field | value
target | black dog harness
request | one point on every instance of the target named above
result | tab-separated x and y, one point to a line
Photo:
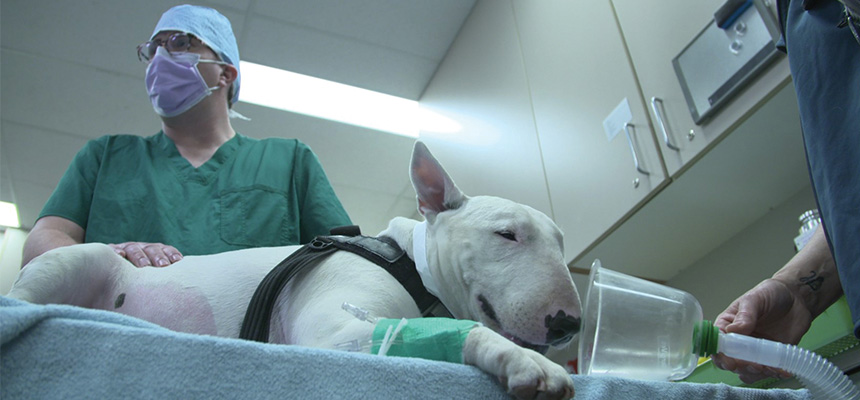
382	251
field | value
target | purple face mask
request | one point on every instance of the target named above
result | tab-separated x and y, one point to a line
173	82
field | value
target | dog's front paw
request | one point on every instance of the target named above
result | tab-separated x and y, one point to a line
530	375
525	373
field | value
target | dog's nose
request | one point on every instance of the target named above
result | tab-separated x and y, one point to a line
561	327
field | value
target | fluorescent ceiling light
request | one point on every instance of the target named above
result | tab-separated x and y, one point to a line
289	91
9	215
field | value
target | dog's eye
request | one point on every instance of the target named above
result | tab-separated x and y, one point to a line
507	235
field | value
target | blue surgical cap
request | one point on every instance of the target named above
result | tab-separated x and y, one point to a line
209	26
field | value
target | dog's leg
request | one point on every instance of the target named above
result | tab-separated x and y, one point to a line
75	275
526	373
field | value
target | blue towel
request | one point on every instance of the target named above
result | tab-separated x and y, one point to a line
65	352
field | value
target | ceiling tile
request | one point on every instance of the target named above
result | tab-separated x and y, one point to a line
72	98
103	33
225	5
36	155
423	28
337	58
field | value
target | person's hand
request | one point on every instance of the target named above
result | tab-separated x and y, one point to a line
771	311
147	254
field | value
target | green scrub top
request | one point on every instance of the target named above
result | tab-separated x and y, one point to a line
251	193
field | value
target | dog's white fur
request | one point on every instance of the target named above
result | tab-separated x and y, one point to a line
495	261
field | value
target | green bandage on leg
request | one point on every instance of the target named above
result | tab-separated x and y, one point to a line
439	339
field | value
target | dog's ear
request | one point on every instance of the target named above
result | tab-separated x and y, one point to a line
436	190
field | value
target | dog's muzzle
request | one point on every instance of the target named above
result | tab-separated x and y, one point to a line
561	328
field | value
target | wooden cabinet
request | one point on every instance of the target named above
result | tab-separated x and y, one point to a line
578	72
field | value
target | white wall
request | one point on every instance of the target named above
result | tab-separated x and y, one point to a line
746	259
482	85
11	249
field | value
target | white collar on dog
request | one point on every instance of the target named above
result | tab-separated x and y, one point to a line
419	251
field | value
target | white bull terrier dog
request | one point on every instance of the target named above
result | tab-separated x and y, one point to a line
491	260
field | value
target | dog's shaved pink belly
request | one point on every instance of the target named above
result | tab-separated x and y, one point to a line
168	304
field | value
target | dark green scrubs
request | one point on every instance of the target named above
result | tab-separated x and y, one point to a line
251	193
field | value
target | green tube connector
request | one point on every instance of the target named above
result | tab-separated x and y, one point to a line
705	338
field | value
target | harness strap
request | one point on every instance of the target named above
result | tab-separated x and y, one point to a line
255	326
385	252
382	251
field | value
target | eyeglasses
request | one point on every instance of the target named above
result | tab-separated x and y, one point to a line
177	42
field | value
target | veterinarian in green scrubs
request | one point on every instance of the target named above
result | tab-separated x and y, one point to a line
197	186
250	193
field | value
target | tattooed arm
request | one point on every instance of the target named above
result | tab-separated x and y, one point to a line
782	308
812	274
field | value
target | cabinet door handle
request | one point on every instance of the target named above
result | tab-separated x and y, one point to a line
627	127
659	114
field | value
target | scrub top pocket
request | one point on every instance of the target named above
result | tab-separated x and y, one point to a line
256	216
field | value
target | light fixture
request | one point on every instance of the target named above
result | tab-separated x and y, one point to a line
289	91
9	215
